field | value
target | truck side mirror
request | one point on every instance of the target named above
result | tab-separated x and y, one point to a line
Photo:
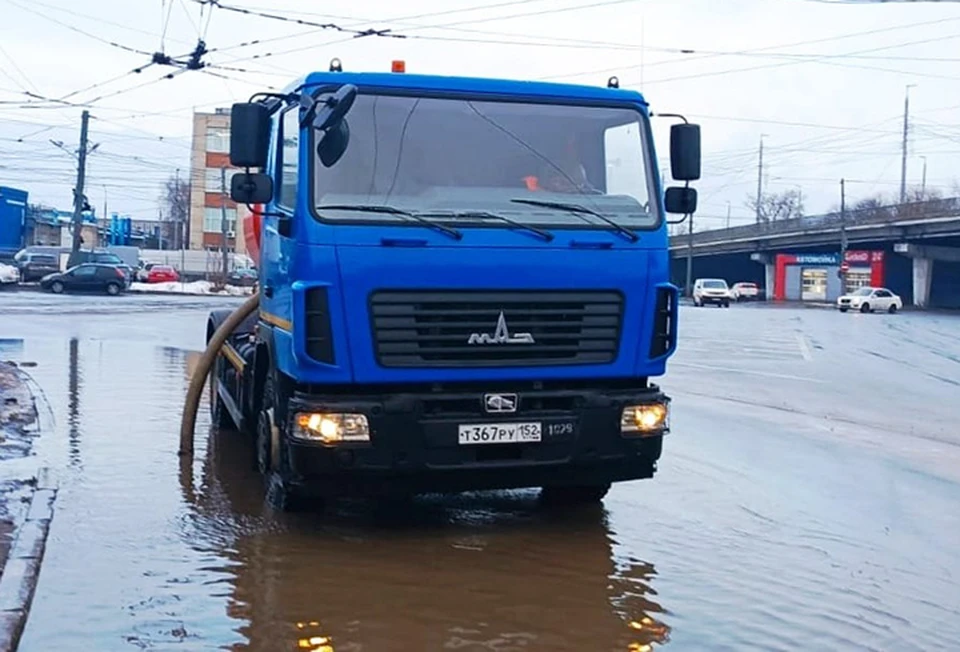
685	152
681	200
251	188
249	135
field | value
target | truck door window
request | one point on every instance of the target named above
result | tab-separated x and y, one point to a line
289	157
625	165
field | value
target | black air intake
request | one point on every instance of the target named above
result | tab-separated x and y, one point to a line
319	341
664	322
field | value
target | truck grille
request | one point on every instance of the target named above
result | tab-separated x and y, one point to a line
477	329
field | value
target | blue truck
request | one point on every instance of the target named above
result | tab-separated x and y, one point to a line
464	286
13	208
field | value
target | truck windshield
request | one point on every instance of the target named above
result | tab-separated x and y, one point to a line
436	156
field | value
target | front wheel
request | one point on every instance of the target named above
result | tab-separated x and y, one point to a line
56	287
271	449
844	309
574	495
865	307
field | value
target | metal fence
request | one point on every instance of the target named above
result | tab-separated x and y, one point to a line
876	214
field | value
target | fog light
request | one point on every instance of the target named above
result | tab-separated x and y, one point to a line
331	427
645	419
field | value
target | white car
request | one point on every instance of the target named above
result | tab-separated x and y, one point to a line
745	292
711	290
869	299
9	275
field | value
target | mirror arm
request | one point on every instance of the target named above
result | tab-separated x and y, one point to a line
669	115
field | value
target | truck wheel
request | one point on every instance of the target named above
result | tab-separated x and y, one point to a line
574	495
271	450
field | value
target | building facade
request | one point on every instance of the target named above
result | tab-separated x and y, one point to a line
822	277
209	158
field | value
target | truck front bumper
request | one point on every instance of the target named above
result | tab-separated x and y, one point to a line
415	440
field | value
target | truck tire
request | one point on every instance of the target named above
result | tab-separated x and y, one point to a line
270	458
574	495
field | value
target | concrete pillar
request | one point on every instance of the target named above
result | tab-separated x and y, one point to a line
769	271
922	275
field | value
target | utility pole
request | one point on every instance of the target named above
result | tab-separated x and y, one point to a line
223	219
923	184
78	191
760	180
906	133
843	220
728	215
689	287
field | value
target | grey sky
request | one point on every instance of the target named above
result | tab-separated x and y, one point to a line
823	81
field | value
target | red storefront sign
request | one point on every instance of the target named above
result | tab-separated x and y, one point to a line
867	259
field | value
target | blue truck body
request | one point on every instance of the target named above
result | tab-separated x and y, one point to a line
13	207
382	317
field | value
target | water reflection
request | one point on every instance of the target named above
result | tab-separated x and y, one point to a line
487	573
73	403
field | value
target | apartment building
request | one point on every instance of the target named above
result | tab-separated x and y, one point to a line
210	156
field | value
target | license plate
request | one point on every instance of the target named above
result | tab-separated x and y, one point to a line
499	433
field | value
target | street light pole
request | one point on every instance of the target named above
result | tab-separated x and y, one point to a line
923	184
843	220
78	191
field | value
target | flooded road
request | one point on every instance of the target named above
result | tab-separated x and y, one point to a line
808	497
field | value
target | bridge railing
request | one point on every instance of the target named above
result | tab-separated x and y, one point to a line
871	214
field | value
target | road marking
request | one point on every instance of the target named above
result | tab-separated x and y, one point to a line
804	349
751	372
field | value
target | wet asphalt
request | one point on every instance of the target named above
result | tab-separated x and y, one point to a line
808	498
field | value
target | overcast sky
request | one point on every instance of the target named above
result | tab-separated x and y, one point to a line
822	80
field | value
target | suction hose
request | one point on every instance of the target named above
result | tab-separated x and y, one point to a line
204	366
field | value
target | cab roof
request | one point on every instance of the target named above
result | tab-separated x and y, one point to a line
472	85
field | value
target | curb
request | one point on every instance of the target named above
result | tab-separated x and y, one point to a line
19	580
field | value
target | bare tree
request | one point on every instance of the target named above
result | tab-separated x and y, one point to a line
778	206
176	199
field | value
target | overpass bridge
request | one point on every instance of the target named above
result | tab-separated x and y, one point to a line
920	243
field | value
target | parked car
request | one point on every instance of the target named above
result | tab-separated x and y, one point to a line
9	275
34	266
745	291
711	290
87	277
105	258
243	277
162	274
870	299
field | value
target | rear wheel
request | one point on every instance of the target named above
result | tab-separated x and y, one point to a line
113	289
574	495
892	309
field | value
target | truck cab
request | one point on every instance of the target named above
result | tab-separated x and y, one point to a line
464	285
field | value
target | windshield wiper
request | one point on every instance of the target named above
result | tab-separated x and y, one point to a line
580	210
485	215
391	210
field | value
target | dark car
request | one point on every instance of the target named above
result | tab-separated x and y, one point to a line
34	266
104	258
243	277
88	277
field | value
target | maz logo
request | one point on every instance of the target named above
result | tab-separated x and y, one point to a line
500	402
501	335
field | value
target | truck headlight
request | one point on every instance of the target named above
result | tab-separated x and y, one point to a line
645	419
331	427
